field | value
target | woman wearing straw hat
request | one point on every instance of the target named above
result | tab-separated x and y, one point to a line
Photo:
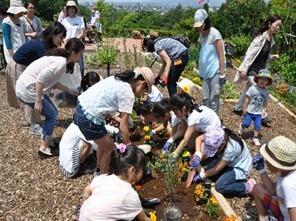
277	198
12	27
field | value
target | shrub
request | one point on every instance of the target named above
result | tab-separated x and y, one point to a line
241	44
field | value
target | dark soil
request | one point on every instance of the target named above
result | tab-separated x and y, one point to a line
34	189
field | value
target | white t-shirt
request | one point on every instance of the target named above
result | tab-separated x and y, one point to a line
106	98
174	119
72	137
74	26
95	16
286	193
46	70
155	95
112	199
204	120
238	158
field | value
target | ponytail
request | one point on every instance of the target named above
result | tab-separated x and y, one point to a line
179	101
125	157
265	25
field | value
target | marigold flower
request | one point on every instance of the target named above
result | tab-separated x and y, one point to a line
231	218
147	138
213	201
199	190
146	128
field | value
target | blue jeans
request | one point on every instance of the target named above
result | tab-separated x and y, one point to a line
50	112
226	183
175	73
252	117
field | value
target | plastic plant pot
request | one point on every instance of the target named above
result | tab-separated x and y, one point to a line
172	213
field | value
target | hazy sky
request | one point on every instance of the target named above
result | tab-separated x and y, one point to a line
213	2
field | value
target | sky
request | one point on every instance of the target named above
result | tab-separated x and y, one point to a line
212	2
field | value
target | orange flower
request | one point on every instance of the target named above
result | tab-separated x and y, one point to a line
231	218
147	138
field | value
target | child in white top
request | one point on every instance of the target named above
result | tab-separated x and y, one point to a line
113	94
256	100
112	197
230	162
276	198
199	119
42	75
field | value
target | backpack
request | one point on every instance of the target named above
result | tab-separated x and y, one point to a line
182	39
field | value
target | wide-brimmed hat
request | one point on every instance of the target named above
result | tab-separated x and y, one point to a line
147	75
199	18
186	85
16	7
72	4
280	152
213	140
264	73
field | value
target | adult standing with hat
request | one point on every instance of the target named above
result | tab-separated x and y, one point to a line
12	27
75	26
257	57
211	60
279	198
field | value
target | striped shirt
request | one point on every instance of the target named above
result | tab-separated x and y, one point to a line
172	47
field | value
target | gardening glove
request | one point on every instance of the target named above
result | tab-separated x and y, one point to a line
198	177
167	146
258	163
195	161
222	80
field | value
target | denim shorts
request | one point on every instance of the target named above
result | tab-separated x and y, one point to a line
90	130
256	118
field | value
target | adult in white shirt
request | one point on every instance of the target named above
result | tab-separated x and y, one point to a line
75	26
113	94
42	75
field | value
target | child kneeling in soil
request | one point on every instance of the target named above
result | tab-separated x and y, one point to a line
74	150
111	196
229	162
199	119
279	198
256	101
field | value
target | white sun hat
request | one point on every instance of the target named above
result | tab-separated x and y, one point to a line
199	18
16	7
280	152
187	86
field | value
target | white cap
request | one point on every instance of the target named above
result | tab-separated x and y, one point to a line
16	7
199	17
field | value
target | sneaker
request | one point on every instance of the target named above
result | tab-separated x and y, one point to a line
36	129
238	112
241	130
266	121
256	141
45	153
250	184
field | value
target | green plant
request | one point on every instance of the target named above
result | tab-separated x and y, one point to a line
107	56
229	91
213	207
168	167
241	44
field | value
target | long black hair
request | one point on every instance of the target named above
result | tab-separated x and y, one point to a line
89	79
54	29
129	77
72	45
148	43
121	162
230	134
265	25
160	108
178	101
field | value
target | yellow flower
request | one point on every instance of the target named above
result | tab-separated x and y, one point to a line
147	138
146	128
199	190
186	89
152	216
213	201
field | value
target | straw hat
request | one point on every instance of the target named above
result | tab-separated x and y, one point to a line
199	18
16	7
280	152
187	86
264	73
147	75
